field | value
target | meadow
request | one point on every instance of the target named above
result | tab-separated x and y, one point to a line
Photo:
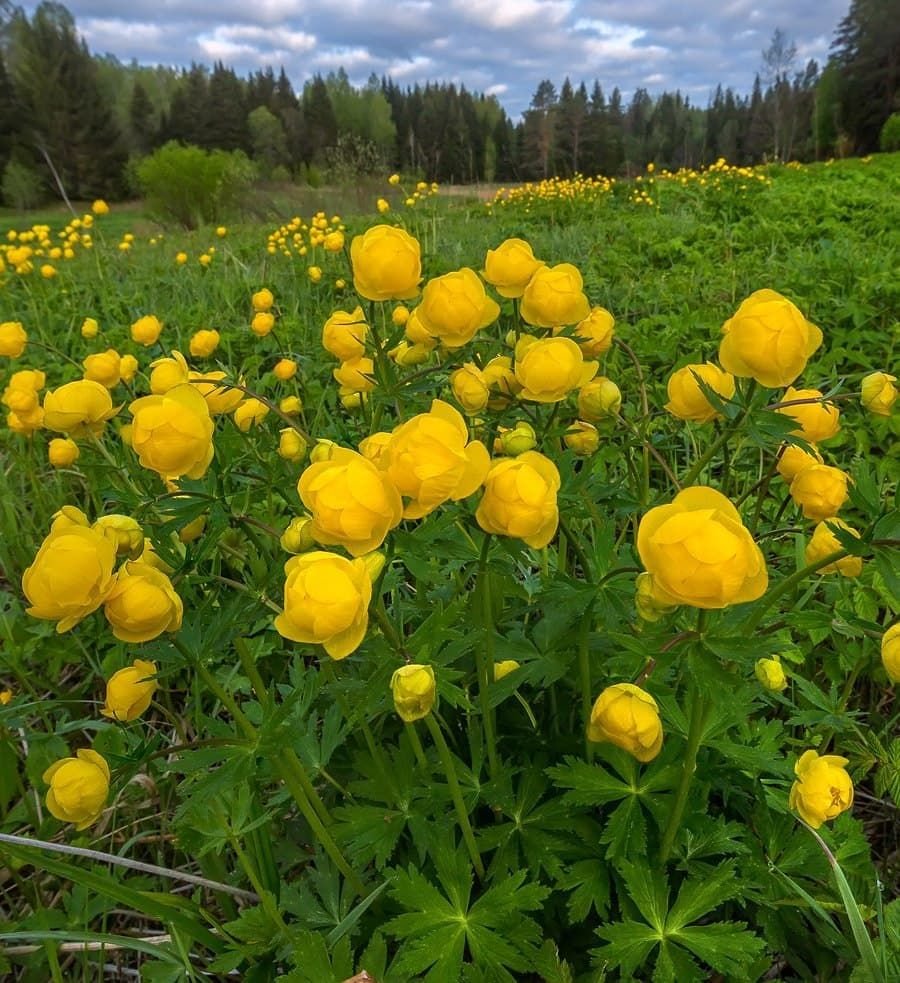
481	586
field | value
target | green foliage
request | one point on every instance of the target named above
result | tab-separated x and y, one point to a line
889	139
21	187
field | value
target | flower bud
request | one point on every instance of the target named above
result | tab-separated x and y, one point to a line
504	668
770	674
262	300
879	393
582	438
820	491
890	652
125	531
518	440
599	399
323	451
193	530
414	689
297	538
262	324
794	459
824	542
627	716
649	606
89	328
62	452
291	405
285	368
129	691
291	445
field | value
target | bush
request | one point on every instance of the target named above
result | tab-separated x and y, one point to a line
889	140
192	186
22	188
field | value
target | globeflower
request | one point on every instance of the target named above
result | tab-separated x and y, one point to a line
386	264
103	367
146	330
823	788
78	408
820	491
793	459
429	459
291	446
172	434
12	339
344	334
595	333
249	413
699	553
124	531
890	652
600	399
550	368
129	691
204	342
326	602
768	339
470	389
167	373
583	439
516	440
220	398
142	604
818	420
824	542
262	300
879	393
510	266
262	324
555	296
285	369
687	400
770	674
413	688
62	452
352	502
627	716
79	788
455	307
356	375
520	499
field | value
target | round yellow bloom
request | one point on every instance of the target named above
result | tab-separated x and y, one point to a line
262	300
129	691
79	788
167	373
172	434
128	367
582	438
181	258
383	206
823	789
768	339
373	447
824	542
291	405
386	263
204	342
125	532
770	674
600	399
12	339
291	446
406	354
595	333
520	499
890	652
352	502
356	375
648	604
89	328
502	382
103	367
220	399
820	491
555	296
333	242
221	231
62	452
516	440
504	668
429	460
399	316
71	575
285	368
344	334
455	307
818	421
262	324
879	393
78	408
146	330
687	400
314	273
549	369
510	266
414	689
794	459
249	413
142	604
326	602
470	388
100	207
627	716
415	331
297	538
699	552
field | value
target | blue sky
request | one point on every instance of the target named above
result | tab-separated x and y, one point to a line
503	47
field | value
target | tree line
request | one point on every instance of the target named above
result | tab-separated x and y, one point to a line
73	120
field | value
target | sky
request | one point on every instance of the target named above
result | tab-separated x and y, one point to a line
501	47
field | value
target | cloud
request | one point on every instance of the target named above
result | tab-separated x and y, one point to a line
504	47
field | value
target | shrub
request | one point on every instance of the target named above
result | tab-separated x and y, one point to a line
889	140
22	188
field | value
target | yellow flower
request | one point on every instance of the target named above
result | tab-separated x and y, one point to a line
62	452
125	532
285	368
455	307
383	206
356	375
516	441
699	552
297	538
649	606
504	668
582	438
326	602
204	342
249	413
220	399
142	604
818	421
823	788
549	369
79	788
399	316
333	242
386	264
502	381
820	491
128	367
599	399
104	367
314	273
129	691
193	530
181	258
221	231
352	502
100	207
890	652
595	333
373	447
627	716
879	393
291	446
687	400
770	674
291	405
262	324
406	354
520	499
262	300
413	688
71	575
167	373
146	330
470	388
510	266
89	328
6	696
78	408
394	179
172	434
12	339
429	460
794	459
554	296
824	542
344	334
415	331
768	339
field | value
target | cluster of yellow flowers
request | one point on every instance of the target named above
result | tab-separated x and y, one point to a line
718	176
575	189
22	251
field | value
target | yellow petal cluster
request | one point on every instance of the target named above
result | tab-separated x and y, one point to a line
627	716
823	789
520	499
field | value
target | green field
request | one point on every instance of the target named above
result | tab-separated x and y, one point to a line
489	840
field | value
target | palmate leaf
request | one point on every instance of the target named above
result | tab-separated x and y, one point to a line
628	946
589	784
726	946
588	880
698	897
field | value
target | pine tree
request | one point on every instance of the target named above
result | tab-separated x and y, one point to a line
141	119
320	125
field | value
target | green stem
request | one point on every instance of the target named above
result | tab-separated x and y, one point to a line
418	750
699	711
576	549
727	431
584	668
485	659
456	793
265	897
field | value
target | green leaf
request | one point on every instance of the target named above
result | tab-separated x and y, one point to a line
588	880
726	946
629	944
161	952
699	897
648	890
589	784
